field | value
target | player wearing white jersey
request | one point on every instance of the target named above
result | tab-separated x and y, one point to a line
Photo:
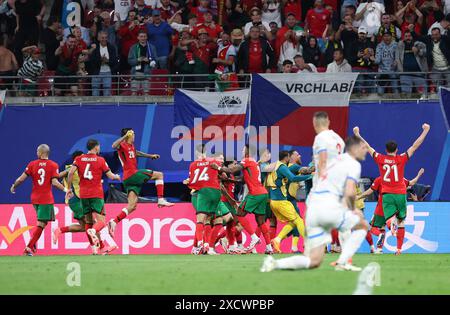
332	205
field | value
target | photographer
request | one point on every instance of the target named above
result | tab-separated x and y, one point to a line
142	59
255	15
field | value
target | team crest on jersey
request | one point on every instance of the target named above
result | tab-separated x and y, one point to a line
230	101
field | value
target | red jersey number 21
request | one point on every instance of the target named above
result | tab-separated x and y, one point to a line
388	169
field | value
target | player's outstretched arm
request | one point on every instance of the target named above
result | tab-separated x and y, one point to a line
18	182
414	181
147	155
284	170
112	176
356	133
365	194
419	141
268	168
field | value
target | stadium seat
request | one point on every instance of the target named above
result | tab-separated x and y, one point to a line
159	85
45	83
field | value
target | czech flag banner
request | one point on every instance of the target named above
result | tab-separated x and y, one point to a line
207	113
289	101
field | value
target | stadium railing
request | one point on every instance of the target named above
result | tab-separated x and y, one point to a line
160	85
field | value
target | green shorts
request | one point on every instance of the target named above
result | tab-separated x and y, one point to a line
223	209
269	213
394	204
378	221
135	182
208	200
45	212
194	198
77	209
230	208
93	205
255	204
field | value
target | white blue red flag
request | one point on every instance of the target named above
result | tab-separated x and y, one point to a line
289	101
198	110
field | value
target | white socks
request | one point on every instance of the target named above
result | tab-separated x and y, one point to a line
351	245
125	210
294	262
254	237
344	236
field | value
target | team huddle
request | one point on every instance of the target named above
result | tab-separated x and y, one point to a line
84	189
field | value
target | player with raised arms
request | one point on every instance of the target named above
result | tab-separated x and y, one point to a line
392	169
91	167
332	205
44	174
134	178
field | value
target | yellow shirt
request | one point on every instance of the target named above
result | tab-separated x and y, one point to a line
359	203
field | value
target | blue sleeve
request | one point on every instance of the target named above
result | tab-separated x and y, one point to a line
284	170
294	168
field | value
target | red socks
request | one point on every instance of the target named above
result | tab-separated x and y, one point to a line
400	237
258	231
335	237
238	235
214	232
231	231
36	235
247	226
265	232
198	233
375	231
87	227
159	184
122	215
207	233
222	233
98	226
273	232
64	229
369	238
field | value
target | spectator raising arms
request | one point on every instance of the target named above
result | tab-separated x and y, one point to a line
30	71
255	15
68	54
369	15
288	40
51	37
128	34
255	54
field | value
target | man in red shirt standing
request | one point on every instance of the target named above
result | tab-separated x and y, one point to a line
91	167
44	174
134	179
255	54
317	20
392	172
214	30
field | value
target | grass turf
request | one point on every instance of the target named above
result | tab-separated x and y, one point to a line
224	274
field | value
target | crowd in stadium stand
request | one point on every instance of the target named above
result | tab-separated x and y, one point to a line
224	38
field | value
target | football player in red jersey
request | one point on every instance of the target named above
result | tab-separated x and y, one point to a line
44	174
392	170
378	222
91	168
134	178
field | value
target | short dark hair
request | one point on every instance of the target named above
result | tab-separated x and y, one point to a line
292	152
76	153
142	32
321	115
124	131
287	62
71	36
92	143
298	56
283	154
391	146
351	142
436	28
341	51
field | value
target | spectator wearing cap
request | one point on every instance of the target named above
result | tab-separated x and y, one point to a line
51	37
236	37
142	9
255	15
255	54
294	7
287	66
214	30
362	60
438	55
201	9
226	55
271	12
160	34
288	40
442	25
339	64
388	26
301	66
30	71
385	58
142	59
103	63
411	60
317	21
369	14
128	34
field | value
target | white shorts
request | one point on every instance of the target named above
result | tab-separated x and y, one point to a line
324	213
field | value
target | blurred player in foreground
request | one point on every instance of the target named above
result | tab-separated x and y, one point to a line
332	205
44	174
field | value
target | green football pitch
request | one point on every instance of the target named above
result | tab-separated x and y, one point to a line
217	275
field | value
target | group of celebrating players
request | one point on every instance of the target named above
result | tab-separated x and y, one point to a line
84	189
333	213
